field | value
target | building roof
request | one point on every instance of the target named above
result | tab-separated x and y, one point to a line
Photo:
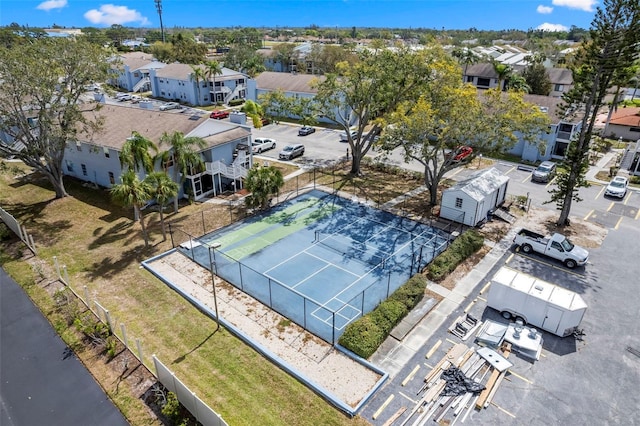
180	71
287	82
120	121
482	70
481	183
629	116
548	104
560	75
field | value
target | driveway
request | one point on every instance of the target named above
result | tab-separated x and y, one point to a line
42	381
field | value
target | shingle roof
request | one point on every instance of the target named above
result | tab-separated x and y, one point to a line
482	70
287	82
120	121
560	75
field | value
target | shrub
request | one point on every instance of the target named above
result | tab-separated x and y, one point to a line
366	334
362	336
635	180
461	248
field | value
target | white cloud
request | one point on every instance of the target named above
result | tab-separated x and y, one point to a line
52	4
552	27
586	5
110	14
545	10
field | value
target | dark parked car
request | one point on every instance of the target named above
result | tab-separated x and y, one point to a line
306	130
219	115
544	172
265	121
291	151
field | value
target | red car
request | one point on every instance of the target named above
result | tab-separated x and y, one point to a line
460	154
219	115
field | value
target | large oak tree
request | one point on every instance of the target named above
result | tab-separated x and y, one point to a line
41	88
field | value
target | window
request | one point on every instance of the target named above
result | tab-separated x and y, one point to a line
634	129
458	203
112	178
84	169
484	82
69	166
558	88
78	146
168	163
469	79
106	152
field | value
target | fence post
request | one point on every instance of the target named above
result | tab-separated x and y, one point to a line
124	335
204	229
66	274
139	351
108	317
86	297
32	243
57	265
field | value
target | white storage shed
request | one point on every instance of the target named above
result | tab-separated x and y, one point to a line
470	200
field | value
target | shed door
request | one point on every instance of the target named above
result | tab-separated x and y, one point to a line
552	320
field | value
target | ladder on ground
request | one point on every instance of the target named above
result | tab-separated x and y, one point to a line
504	215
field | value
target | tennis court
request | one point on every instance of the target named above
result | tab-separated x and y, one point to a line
319	259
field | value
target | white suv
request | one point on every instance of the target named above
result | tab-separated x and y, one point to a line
345	138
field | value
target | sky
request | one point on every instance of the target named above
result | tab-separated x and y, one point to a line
555	15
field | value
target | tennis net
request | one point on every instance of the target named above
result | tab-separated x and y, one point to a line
353	249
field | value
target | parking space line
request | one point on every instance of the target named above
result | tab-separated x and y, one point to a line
451	341
509	258
511	373
510	170
626	200
588	214
549	184
482	298
526	179
502	409
383	406
610	206
599	193
409	398
638	215
618	224
486	286
469	306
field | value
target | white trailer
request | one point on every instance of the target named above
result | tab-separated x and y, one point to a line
539	303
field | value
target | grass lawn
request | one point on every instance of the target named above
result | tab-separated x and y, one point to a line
102	249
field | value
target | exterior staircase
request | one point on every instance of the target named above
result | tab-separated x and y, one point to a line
139	85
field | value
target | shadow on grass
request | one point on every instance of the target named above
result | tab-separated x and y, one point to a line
199	345
108	267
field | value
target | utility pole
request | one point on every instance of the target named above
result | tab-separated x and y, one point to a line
159	8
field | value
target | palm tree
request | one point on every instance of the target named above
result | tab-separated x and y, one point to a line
135	153
197	75
213	68
133	192
503	72
518	83
254	111
184	153
262	182
465	57
163	189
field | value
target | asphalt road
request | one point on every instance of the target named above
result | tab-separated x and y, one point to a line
41	380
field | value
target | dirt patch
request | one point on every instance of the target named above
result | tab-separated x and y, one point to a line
451	280
580	232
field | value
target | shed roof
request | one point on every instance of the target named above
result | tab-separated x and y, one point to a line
629	116
481	184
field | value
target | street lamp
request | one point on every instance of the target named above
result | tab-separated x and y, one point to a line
479	160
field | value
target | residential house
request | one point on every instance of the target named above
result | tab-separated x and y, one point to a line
292	85
554	143
176	82
131	71
561	81
625	124
95	157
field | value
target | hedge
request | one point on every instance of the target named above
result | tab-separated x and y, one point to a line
366	334
461	248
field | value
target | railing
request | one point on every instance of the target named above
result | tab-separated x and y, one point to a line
235	91
235	171
141	83
18	229
564	135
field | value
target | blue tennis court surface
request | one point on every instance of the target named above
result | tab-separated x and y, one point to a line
319	259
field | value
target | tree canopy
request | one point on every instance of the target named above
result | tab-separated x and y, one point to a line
41	100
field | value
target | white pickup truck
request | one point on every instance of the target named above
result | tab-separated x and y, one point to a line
556	246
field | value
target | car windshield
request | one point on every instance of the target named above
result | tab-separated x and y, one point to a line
543	168
617	184
567	245
288	148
